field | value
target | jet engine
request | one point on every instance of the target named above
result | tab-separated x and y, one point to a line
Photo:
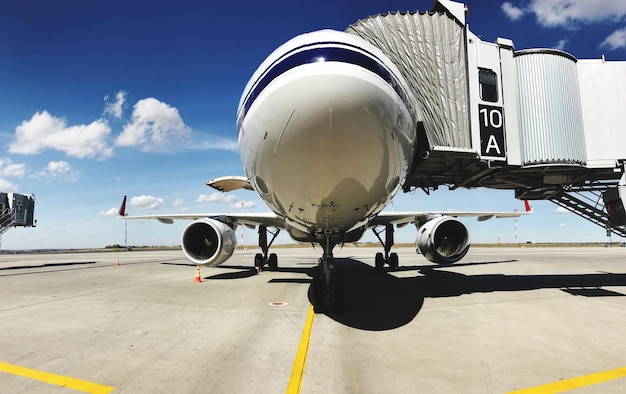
444	240
208	242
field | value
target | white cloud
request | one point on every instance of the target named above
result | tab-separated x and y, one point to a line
219	198
514	13
562	210
616	40
225	144
58	170
224	198
180	204
6	186
58	167
44	131
154	124
7	168
217	143
560	45
115	108
565	12
243	205
144	202
110	212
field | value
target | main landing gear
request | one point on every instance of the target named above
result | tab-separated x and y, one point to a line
327	290
260	259
390	259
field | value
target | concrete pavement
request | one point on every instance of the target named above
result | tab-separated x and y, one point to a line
498	321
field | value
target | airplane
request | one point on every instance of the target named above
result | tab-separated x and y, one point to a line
327	133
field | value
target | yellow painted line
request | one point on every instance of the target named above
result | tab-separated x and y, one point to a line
574	383
297	372
63	381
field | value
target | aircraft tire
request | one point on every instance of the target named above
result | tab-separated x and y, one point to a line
258	261
380	262
394	262
272	262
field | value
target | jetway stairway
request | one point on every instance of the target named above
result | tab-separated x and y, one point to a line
589	203
6	221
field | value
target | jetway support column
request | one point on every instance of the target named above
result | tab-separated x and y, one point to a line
615	203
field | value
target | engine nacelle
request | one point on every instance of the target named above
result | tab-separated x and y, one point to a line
208	242
444	240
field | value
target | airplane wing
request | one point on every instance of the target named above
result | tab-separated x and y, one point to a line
403	218
251	219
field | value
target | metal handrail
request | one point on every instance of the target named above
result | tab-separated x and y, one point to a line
7	220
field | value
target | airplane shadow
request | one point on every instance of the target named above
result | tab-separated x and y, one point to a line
41	268
377	301
233	275
247	271
374	301
180	264
47	265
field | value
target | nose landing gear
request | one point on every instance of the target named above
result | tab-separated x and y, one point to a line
327	289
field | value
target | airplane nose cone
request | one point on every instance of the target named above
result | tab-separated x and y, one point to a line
335	135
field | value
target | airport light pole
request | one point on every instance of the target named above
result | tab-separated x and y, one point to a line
242	226
125	232
516	242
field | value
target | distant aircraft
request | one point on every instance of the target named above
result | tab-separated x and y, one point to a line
326	135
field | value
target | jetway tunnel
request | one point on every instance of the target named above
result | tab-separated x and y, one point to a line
16	210
537	121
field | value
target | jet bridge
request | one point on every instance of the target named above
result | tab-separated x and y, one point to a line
537	121
16	210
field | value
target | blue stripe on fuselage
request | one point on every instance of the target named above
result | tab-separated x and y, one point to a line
299	56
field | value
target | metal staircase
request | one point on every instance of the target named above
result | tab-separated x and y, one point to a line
7	220
587	202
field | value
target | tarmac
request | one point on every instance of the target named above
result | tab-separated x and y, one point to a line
499	321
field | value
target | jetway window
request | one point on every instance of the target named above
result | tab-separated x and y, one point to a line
488	81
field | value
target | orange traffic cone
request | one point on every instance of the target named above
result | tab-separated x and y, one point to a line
117	262
198	278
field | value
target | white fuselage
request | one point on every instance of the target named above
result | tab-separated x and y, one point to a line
326	132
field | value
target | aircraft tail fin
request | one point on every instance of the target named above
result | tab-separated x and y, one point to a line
122	210
529	208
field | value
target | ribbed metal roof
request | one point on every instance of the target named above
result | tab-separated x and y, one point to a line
429	50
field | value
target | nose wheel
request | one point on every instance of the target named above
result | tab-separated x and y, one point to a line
327	289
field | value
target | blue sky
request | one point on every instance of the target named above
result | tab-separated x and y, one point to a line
100	99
